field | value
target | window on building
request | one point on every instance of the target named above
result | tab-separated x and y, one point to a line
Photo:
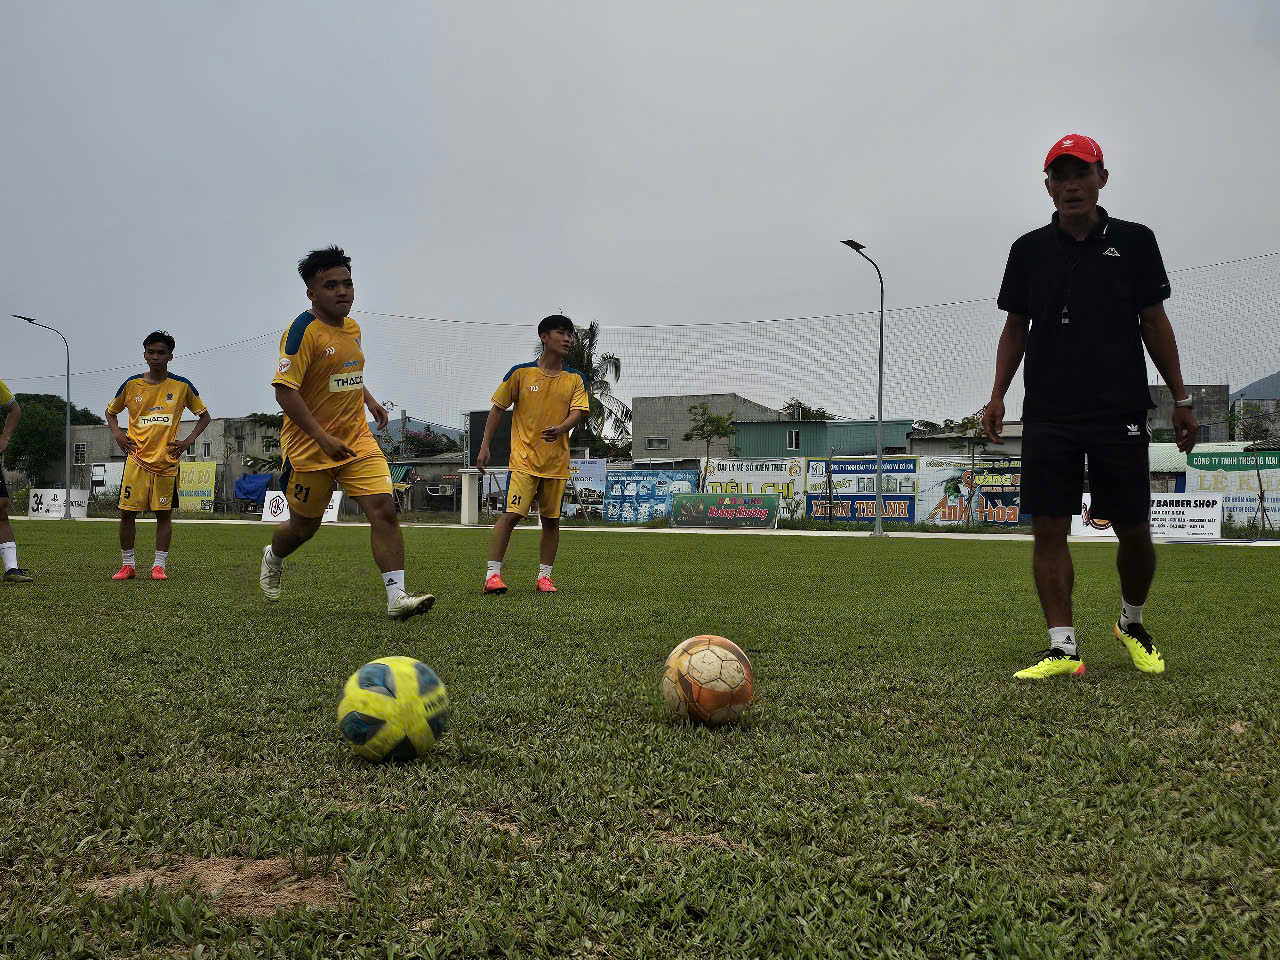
239	444
793	439
81	454
206	449
657	443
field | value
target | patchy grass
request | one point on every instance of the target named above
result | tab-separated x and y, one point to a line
172	782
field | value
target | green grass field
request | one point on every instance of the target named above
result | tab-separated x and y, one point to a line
894	794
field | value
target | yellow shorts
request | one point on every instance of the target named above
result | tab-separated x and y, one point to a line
524	488
142	490
308	492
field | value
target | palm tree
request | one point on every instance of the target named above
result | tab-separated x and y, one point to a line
609	415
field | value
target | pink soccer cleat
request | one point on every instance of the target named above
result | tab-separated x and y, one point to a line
546	586
157	573
495	585
124	573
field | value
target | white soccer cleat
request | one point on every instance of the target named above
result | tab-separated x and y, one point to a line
269	577
406	605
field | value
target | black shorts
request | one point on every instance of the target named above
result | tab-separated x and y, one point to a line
4	488
1053	458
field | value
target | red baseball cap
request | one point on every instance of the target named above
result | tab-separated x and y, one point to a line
1075	145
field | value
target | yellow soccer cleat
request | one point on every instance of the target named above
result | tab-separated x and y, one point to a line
1052	663
1142	650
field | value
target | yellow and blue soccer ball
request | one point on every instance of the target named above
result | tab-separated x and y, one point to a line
395	708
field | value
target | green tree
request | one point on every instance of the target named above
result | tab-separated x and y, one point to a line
272	464
1255	422
709	427
797	409
971	438
39	442
273	420
609	417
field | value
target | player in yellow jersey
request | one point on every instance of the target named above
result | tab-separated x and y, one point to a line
155	401
319	385
8	546
550	400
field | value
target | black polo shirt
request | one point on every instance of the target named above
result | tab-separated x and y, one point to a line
1084	357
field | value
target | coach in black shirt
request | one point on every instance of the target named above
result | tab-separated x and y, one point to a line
1083	294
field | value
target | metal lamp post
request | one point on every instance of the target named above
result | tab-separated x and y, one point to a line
858	248
66	493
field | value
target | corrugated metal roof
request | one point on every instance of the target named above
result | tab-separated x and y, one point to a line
1167	458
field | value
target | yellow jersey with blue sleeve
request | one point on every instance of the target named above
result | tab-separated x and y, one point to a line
155	414
541	400
6	398
325	364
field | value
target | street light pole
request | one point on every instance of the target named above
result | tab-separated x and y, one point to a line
857	248
66	493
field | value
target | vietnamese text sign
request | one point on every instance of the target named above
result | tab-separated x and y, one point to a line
52	503
782	476
584	493
850	486
276	508
637	496
1246	482
195	484
1173	515
758	510
982	490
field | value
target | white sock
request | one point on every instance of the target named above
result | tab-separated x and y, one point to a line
9	550
1064	639
127	557
495	566
544	570
394	582
274	562
1129	613
161	557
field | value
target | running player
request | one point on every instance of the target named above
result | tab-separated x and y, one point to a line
550	400
8	546
155	401
319	385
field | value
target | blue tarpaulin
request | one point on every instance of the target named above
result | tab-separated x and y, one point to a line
253	486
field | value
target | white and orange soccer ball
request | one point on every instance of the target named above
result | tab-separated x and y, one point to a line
708	680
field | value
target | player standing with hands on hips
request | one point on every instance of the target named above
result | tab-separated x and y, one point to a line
1083	295
550	400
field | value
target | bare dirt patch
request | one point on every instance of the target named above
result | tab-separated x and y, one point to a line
247	888
1237	728
496	821
689	841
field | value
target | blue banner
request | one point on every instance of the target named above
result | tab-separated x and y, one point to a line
850	488
638	496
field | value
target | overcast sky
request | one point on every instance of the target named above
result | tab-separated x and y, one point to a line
166	164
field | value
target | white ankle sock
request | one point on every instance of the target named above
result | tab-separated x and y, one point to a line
274	562
9	551
126	556
544	570
161	557
1129	613
1064	639
495	566
394	582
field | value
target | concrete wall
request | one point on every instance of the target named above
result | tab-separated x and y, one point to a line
668	418
1212	406
227	441
940	446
